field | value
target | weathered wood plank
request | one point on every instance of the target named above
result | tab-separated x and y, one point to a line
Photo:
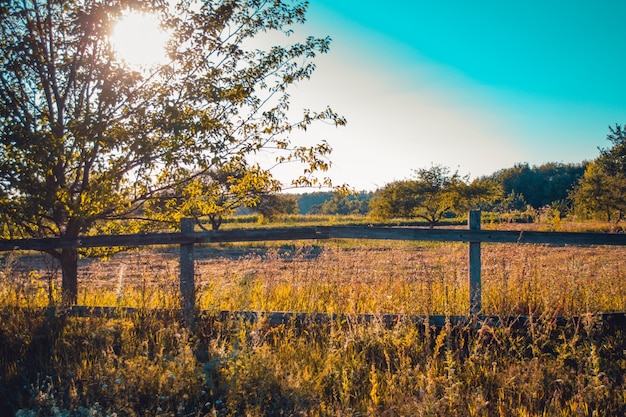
485	236
320	232
275	318
182	238
96	241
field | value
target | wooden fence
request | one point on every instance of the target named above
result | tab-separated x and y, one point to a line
187	238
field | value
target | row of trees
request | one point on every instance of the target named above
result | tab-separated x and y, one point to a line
595	189
540	185
436	192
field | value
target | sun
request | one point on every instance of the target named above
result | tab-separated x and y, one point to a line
139	40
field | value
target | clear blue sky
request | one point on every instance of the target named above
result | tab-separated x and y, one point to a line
475	86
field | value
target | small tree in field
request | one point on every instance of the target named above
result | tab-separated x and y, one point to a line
84	138
430	196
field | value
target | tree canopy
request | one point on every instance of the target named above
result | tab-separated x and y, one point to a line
85	138
434	193
602	189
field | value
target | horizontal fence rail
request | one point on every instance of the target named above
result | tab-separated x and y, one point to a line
187	238
319	232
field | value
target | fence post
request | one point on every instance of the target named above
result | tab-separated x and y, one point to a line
187	285
475	291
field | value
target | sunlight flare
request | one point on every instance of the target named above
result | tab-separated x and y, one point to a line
139	40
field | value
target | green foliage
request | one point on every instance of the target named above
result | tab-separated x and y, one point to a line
601	192
434	194
512	202
540	185
394	200
307	201
272	205
215	194
344	204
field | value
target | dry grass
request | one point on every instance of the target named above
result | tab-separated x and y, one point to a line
407	278
143	365
353	277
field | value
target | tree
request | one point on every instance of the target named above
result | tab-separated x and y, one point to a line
396	199
431	195
272	204
481	192
602	189
84	138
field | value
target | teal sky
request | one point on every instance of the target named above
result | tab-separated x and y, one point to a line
475	86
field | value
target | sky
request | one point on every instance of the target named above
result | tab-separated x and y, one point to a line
475	86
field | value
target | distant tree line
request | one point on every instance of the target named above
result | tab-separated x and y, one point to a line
539	186
589	190
345	204
437	190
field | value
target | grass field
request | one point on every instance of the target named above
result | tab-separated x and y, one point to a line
144	365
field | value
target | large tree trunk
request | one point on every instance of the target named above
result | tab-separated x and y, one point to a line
69	270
